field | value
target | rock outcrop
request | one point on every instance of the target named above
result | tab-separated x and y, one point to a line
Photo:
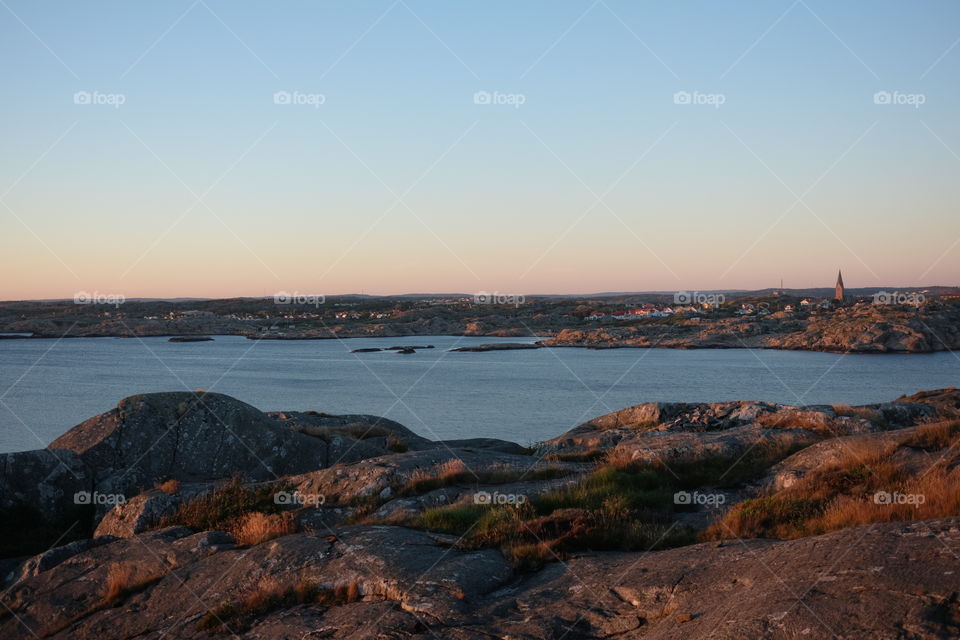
191	437
139	514
861	328
349	482
372	556
880	581
686	431
46	480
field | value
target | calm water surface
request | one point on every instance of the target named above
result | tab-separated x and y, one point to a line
47	386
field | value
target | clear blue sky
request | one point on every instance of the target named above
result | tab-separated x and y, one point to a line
199	184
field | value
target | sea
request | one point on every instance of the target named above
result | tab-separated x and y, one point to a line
47	386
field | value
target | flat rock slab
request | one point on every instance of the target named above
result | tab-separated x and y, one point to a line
895	580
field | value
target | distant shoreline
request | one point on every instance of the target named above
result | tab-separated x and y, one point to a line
539	341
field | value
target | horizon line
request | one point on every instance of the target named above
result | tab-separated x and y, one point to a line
481	292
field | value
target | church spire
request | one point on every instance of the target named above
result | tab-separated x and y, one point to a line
840	292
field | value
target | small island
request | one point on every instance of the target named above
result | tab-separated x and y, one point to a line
500	346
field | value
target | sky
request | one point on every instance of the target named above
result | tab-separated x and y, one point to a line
214	149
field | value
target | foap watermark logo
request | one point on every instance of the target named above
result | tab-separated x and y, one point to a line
715	100
899	98
312	299
515	100
483	297
299	98
696	297
86	497
497	498
296	498
114	100
700	499
886	497
112	299
883	298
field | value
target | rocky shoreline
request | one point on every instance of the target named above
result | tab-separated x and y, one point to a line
191	514
767	323
846	330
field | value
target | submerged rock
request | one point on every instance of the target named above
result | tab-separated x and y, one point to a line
500	346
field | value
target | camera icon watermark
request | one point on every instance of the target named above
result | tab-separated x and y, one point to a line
899	98
296	498
692	498
715	100
696	297
886	497
483	297
284	297
97	498
114	100
497	498
515	100
112	299
299	98
886	298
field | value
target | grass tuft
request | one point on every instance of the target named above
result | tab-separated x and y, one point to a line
170	486
256	527
935	436
273	594
867	485
232	507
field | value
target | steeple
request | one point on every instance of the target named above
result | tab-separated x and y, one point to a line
840	293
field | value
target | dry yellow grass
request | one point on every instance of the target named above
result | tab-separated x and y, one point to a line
531	555
122	580
119	581
935	494
259	598
272	593
867	485
170	486
620	457
125	579
441	475
443	470
935	436
256	527
353	592
865	413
